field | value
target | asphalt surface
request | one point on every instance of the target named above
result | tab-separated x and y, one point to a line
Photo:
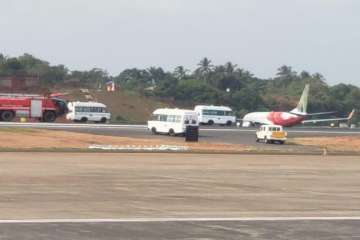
105	196
217	134
201	230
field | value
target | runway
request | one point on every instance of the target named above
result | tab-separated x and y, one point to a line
171	230
178	196
233	135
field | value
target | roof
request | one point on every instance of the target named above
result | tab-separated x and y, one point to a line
212	107
86	104
173	111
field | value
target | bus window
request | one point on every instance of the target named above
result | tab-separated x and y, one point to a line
171	118
220	113
163	118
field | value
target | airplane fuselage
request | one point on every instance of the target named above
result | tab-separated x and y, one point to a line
285	119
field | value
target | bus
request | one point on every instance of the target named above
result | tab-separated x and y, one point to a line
88	111
172	121
215	115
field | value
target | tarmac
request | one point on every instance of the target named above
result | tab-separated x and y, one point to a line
178	196
212	134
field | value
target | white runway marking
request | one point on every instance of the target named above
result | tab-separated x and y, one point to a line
115	220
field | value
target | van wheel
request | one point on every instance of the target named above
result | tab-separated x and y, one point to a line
153	130
83	119
281	142
103	120
171	132
210	122
49	116
7	116
228	123
257	140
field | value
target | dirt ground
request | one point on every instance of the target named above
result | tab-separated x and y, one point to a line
13	138
350	143
109	185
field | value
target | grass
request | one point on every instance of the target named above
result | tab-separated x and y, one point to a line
18	130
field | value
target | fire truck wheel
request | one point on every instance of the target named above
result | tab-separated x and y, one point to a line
49	116
7	116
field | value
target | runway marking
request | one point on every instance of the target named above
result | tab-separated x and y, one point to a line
144	127
140	220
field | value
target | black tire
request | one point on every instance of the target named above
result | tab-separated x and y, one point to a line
103	120
172	132
49	116
7	116
153	130
228	123
210	122
257	140
83	119
281	142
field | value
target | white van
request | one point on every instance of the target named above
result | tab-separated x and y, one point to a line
215	115
172	121
88	111
271	134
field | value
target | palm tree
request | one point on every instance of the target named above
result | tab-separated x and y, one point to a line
204	69
180	72
230	68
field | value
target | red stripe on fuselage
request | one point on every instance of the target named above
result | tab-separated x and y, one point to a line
284	119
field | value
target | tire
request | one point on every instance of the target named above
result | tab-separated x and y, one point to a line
7	116
228	123
266	140
83	119
103	120
257	140
153	130
172	132
281	142
210	122
49	116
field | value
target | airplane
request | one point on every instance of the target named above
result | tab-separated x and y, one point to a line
288	119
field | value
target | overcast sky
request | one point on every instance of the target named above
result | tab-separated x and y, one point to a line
258	35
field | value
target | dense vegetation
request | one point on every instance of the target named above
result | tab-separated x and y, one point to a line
225	84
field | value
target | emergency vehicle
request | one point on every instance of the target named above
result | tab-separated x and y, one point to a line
45	109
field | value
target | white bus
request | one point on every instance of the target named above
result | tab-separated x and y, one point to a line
172	121
88	111
215	115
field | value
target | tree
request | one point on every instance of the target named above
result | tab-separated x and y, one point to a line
180	72
204	69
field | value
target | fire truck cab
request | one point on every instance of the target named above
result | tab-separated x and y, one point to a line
45	109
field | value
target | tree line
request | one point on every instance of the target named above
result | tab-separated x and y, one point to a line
226	84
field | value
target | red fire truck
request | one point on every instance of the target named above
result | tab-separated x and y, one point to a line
45	109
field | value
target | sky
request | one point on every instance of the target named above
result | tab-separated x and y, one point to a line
258	35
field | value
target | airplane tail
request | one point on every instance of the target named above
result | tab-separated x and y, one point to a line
351	115
301	108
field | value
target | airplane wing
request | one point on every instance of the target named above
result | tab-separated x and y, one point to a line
320	113
351	115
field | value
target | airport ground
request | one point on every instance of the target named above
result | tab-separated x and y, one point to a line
206	196
212	134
